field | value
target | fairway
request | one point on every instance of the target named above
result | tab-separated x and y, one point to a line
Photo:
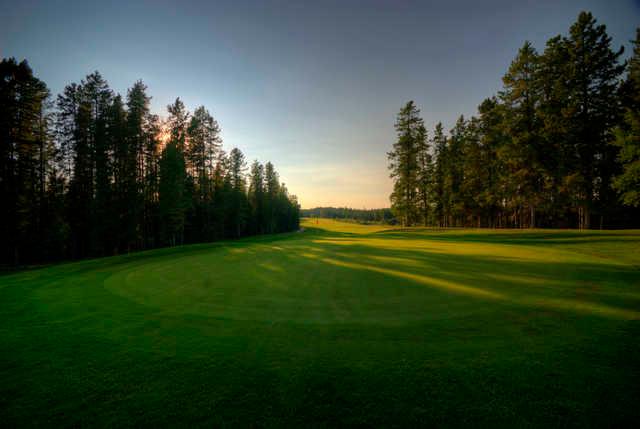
339	324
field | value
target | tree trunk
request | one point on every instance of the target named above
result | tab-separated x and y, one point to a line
533	217
587	218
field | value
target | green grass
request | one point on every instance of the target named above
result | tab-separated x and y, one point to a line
342	324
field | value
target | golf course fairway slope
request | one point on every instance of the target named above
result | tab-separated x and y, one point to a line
337	325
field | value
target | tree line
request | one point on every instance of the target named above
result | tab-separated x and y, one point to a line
359	215
558	146
93	173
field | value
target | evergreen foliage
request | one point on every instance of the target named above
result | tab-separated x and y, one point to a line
558	146
358	215
92	175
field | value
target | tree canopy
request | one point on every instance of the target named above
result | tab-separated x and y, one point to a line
96	174
557	147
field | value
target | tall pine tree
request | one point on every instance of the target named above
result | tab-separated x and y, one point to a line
403	163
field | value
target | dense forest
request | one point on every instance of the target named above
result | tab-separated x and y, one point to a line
558	146
359	215
94	174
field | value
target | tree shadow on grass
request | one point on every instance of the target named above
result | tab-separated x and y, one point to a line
528	237
136	258
602	289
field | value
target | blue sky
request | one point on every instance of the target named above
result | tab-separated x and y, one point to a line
312	86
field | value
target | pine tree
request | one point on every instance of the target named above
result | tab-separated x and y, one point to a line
559	156
492	138
439	143
150	182
272	187
522	152
540	153
424	175
475	175
403	163
237	181
133	166
627	136
172	194
117	136
74	117
23	137
592	77
204	144
257	197
177	124
455	173
218	205
99	97
95	183
173	199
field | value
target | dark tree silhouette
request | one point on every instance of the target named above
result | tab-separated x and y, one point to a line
100	180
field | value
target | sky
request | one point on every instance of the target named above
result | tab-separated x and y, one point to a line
313	86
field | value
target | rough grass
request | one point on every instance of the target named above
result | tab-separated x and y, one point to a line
342	324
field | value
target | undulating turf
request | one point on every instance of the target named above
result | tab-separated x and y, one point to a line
341	324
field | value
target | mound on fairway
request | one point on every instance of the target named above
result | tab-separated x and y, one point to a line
341	324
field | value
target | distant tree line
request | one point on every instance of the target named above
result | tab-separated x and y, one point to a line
96	174
559	146
359	215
